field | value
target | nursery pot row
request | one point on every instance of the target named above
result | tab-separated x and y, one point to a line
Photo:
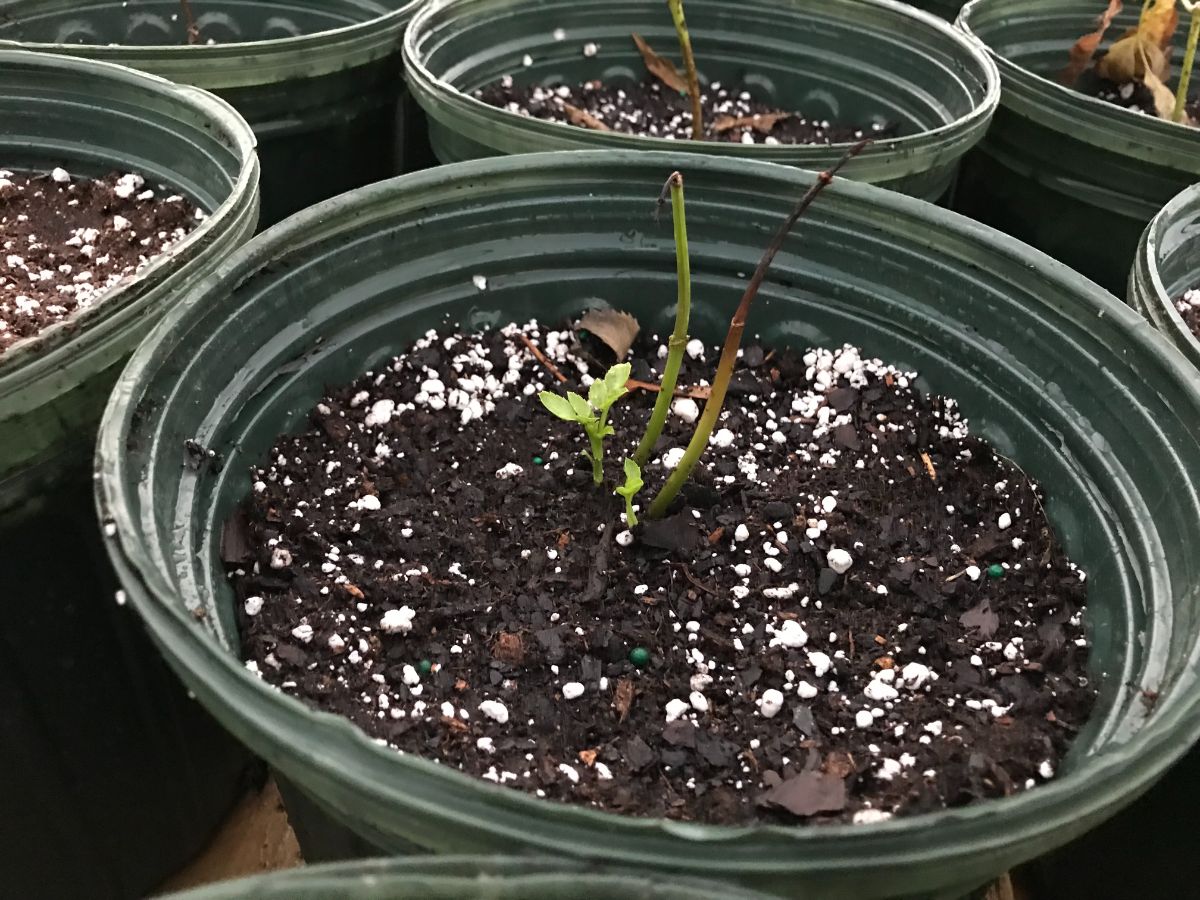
320	81
847	60
1071	174
111	776
1034	352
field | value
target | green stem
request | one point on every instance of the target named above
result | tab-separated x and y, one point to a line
597	457
679	338
720	385
631	518
689	66
1189	61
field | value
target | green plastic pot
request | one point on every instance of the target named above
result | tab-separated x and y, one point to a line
320	81
1055	372
1167	265
111	776
465	878
1075	176
855	60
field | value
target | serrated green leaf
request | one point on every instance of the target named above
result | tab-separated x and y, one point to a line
583	410
558	406
597	394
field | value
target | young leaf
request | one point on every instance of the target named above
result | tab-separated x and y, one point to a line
633	484
1085	48
615	380
662	69
558	406
633	478
583	411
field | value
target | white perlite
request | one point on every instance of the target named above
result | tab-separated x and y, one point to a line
494	710
673	457
676	708
398	621
790	634
686	409
509	470
839	560
770	703
254	605
572	690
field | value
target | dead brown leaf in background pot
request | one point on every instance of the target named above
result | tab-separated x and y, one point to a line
1085	48
618	330
577	116
662	69
763	123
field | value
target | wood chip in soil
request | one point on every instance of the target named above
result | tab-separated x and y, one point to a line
648	108
832	634
68	240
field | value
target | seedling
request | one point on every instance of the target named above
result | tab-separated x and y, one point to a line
633	484
733	339
683	311
689	66
592	413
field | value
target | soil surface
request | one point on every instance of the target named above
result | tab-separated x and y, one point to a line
69	240
1189	307
1132	95
649	108
857	611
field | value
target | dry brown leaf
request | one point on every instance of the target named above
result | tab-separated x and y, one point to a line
577	116
763	123
1164	97
1130	58
1085	48
623	698
1160	22
662	69
616	329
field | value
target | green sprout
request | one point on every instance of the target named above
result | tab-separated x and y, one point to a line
592	413
679	338
633	484
1189	61
689	66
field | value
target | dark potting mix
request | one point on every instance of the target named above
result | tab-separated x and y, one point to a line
855	610
655	108
68	240
1189	308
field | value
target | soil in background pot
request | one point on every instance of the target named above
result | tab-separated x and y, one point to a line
1133	95
858	611
651	109
67	241
1189	307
